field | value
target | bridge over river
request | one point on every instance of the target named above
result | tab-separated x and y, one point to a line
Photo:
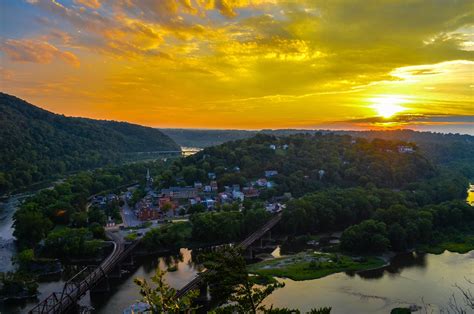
88	278
198	281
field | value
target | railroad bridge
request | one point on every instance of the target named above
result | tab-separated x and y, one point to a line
87	279
198	281
91	277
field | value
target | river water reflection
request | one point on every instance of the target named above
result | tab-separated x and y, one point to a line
126	292
410	279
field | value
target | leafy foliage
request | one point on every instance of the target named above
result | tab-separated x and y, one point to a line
229	280
170	236
368	236
17	285
66	203
71	242
226	226
399	227
36	144
307	163
162	298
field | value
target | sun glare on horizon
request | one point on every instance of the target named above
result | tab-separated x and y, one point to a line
388	106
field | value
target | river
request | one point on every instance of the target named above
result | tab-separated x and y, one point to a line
410	279
7	246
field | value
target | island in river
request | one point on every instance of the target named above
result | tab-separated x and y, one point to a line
313	265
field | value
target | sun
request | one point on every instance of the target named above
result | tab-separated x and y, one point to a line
388	106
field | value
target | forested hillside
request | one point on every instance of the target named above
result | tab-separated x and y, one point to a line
439	147
307	162
36	144
205	138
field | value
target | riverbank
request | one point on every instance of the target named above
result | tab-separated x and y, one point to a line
463	244
314	265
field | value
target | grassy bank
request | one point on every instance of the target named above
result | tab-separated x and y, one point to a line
311	265
458	244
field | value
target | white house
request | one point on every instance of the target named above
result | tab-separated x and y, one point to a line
405	149
237	195
270	173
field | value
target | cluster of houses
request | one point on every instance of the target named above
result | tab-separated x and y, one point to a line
101	201
170	201
403	149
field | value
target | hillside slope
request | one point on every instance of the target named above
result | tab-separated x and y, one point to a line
36	144
205	138
309	162
438	147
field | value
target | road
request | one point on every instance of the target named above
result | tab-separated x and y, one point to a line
128	217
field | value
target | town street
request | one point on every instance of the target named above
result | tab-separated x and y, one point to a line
129	218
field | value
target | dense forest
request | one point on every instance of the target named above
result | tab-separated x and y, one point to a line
439	147
36	144
306	163
334	182
377	220
65	206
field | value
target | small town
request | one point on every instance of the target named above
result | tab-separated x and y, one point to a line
176	201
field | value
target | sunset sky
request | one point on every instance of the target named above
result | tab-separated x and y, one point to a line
245	63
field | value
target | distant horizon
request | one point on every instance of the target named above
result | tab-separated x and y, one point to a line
428	128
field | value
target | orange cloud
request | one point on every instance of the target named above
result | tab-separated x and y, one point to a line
243	63
94	4
35	51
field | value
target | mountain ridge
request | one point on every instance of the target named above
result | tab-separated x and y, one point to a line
36	144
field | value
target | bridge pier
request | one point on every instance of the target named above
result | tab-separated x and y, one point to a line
116	272
244	245
249	253
102	286
203	292
129	261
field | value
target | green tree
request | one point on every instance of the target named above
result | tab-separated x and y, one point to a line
229	281
30	227
24	258
97	215
368	236
79	219
166	207
162	298
18	283
97	230
71	242
398	237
